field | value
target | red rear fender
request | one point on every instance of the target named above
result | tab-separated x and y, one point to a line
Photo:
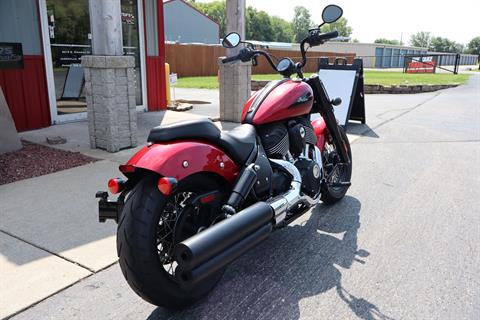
182	158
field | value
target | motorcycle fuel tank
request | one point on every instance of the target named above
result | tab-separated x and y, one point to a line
279	100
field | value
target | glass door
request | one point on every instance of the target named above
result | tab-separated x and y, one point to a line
69	35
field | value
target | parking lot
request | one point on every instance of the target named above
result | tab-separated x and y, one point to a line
402	245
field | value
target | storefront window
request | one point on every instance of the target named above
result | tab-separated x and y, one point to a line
70	38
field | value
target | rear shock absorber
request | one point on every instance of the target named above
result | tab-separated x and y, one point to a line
243	186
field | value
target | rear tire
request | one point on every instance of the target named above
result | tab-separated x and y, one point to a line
331	194
140	260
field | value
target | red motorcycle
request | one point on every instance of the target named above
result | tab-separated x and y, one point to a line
196	198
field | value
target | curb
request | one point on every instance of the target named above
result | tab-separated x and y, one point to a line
405	89
381	89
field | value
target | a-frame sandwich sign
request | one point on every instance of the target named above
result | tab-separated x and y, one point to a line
346	82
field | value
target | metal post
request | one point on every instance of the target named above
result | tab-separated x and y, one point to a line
457	62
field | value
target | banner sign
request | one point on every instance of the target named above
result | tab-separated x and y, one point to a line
421	65
11	55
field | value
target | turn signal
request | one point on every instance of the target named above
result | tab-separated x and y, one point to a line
116	185
167	185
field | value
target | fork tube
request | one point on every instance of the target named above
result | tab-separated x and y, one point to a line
324	106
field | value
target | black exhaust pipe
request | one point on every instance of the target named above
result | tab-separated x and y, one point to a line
207	244
188	278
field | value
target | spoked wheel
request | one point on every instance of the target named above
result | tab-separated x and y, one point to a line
336	172
178	222
151	226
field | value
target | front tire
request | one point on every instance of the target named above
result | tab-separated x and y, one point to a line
145	263
330	193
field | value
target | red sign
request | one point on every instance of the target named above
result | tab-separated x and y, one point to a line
421	65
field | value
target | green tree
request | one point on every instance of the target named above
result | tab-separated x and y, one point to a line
282	29
258	25
341	25
301	23
386	41
421	39
439	44
473	47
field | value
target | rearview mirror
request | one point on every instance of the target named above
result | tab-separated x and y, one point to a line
231	40
331	13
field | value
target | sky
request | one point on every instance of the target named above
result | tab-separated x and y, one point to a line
457	20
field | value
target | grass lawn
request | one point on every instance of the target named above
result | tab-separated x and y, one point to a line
371	77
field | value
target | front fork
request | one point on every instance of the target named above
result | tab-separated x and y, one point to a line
325	108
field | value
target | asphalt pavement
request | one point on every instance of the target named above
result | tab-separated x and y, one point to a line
403	243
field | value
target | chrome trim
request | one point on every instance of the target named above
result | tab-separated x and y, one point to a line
317	157
282	204
293	197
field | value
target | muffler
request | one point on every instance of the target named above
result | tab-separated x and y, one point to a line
188	277
209	251
207	244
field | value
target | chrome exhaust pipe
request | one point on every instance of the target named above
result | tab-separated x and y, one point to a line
293	197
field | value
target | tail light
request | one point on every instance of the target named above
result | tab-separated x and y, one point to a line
167	185
116	185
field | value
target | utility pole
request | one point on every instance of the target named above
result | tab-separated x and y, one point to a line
109	81
235	78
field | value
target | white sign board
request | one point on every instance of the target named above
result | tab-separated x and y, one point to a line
339	83
173	78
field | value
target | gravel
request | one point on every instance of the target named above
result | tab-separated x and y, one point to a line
35	160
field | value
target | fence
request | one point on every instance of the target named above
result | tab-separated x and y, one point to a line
201	60
395	58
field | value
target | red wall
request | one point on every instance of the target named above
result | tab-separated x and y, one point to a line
26	93
156	82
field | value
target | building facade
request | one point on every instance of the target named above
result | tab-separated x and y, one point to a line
185	24
41	43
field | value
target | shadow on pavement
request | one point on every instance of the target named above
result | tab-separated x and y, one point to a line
297	262
361	129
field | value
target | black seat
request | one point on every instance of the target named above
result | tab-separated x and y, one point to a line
238	143
202	129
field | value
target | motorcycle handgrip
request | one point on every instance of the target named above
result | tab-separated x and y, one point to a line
230	59
316	38
329	35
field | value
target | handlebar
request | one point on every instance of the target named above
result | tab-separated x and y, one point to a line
230	59
247	54
314	38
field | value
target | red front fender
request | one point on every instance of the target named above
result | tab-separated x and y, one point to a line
180	159
320	128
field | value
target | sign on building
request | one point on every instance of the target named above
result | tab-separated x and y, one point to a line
11	55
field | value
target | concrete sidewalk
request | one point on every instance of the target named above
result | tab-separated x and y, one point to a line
50	237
